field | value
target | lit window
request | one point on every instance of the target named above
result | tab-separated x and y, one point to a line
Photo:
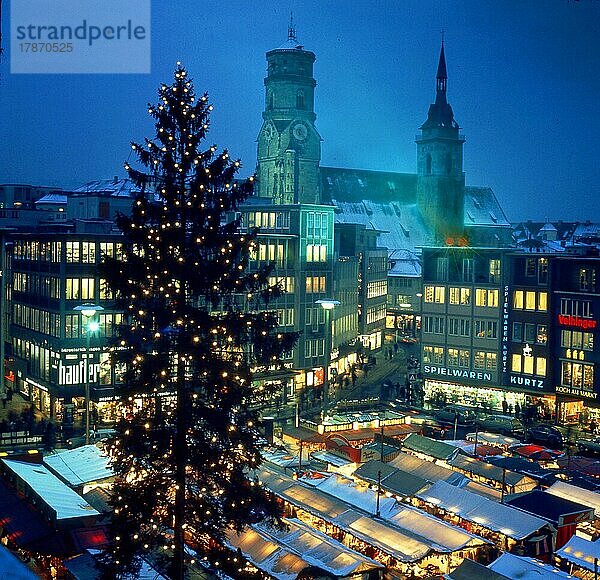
540	369
543	301
518	300
528	365
529	300
516	363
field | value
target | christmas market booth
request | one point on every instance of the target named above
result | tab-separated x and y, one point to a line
433	473
565	515
42	519
401	537
298	550
488	474
508	527
83	468
580	557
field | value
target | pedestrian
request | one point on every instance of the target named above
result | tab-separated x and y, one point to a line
504	406
517	410
593	426
9	395
4	397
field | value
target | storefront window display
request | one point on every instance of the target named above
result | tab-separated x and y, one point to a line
436	391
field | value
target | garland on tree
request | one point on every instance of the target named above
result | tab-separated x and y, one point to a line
197	320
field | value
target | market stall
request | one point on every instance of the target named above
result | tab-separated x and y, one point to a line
429	449
392	480
82	468
402	537
285	554
506	526
565	515
489	474
580	557
468	448
431	472
577	494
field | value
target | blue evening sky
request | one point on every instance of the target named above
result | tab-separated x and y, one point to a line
524	83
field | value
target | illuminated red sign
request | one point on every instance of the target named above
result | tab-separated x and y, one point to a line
577	322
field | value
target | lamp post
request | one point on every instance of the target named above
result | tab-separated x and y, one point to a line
328	305
88	311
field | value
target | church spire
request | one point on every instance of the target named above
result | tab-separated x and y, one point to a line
441	77
292	29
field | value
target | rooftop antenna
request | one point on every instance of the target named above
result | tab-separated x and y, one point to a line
291	29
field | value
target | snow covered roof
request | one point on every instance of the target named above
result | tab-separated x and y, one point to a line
522	568
402	226
482	208
474	508
577	494
405	263
387	202
52	198
431	447
81	465
580	552
60	498
112	187
402	531
283	554
490	471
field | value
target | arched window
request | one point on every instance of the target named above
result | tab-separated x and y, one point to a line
428	164
270	101
300	99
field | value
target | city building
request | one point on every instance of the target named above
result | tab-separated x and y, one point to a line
53	269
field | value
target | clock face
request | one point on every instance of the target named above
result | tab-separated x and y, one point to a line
300	131
268	133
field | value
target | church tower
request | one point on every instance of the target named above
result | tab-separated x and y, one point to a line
440	177
289	146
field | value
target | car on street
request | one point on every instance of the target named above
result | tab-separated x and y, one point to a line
546	435
451	413
589	446
503	424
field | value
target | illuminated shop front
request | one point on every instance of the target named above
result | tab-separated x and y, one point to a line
437	391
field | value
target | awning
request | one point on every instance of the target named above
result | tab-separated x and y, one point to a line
63	502
79	466
285	553
580	552
491	472
404	532
477	509
577	494
431	447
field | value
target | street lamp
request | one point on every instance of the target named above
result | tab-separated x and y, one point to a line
328	305
88	311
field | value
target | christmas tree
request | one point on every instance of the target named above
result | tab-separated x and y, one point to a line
197	321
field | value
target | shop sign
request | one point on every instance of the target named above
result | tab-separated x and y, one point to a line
74	374
505	330
576	392
526	381
457	373
577	322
